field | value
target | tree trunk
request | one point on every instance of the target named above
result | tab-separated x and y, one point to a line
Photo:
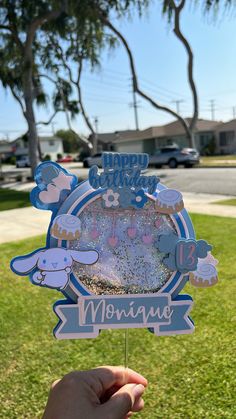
95	143
39	150
191	140
30	118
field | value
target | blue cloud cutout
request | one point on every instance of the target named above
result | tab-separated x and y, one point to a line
182	254
54	184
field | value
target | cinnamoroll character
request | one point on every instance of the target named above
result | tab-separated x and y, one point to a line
53	266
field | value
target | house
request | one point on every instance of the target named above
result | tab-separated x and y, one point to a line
105	141
226	137
6	150
146	141
50	146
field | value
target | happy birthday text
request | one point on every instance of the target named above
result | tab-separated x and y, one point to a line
123	171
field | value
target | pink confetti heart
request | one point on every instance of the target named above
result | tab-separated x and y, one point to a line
94	234
113	241
147	238
132	232
158	223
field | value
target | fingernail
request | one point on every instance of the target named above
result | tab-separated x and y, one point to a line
138	390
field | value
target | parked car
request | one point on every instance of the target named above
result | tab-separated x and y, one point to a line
66	159
23	161
174	156
93	160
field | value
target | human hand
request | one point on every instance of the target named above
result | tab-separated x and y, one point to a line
102	393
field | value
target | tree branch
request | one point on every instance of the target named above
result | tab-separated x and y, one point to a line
47	77
47	17
5	27
135	79
76	83
18	99
14	34
50	119
11	14
65	110
177	31
85	116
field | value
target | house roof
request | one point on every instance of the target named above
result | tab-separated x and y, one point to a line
167	130
5	146
4	142
176	128
227	126
110	137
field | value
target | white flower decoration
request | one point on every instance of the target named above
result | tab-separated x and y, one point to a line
111	198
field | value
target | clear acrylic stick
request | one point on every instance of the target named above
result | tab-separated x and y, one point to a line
126	347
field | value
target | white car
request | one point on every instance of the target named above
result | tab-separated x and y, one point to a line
23	161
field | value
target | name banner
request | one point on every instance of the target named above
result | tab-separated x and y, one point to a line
93	313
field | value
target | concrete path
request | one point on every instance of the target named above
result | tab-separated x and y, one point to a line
18	224
21	223
203	204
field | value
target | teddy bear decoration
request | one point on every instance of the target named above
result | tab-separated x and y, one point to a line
120	248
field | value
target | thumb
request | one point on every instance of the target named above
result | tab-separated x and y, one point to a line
126	399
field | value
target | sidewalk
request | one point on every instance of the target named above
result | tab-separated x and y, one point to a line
18	224
202	204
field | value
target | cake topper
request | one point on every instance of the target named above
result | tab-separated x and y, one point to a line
120	248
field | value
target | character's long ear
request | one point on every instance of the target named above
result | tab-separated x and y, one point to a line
25	264
87	257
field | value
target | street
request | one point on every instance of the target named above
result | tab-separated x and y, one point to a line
220	181
200	187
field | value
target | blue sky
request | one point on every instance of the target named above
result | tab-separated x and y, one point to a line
161	67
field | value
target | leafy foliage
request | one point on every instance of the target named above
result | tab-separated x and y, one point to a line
33	38
70	140
207	6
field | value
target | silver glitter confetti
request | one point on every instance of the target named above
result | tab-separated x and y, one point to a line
126	264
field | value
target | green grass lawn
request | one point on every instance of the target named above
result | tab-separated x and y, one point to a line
10	199
191	376
231	202
220	161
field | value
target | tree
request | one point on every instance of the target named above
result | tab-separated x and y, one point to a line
70	140
24	29
66	61
173	10
21	26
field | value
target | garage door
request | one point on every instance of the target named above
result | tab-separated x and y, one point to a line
132	147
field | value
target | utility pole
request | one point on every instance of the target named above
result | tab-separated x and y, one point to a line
212	105
135	106
53	125
234	112
95	138
177	103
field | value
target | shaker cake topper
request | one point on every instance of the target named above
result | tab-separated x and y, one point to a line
120	248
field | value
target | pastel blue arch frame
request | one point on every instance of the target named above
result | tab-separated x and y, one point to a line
181	220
